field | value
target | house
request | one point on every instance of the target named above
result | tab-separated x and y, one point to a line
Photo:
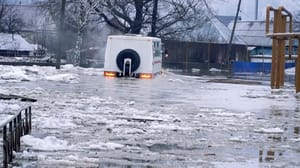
39	28
253	33
14	45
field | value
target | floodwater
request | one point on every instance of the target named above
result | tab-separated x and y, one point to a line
170	121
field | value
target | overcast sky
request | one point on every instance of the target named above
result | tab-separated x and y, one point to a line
228	7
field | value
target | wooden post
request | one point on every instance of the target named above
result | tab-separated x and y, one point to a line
275	52
297	74
278	49
282	49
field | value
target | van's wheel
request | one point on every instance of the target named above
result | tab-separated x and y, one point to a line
128	53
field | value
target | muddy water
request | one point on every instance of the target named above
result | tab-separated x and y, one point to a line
171	121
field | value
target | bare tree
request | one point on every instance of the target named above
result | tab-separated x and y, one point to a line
127	16
154	17
181	17
297	22
10	20
3	11
79	17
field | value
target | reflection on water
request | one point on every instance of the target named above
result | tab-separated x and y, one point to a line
269	154
296	130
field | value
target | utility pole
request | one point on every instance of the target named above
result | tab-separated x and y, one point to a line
232	32
256	10
60	33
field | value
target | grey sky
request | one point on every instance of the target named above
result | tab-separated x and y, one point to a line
228	7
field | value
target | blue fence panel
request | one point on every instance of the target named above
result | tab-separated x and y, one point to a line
254	67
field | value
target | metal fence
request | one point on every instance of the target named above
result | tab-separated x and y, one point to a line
12	131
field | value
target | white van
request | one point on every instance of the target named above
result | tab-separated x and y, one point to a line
132	56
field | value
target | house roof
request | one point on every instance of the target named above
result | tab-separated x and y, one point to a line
226	19
252	32
225	32
14	42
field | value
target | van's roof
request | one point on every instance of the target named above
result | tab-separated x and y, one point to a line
134	37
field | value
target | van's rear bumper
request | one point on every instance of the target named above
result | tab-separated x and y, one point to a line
134	75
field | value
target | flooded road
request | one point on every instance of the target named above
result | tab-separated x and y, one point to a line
170	121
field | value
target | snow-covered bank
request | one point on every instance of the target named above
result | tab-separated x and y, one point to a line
67	73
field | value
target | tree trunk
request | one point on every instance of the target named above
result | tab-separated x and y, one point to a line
77	54
79	38
138	21
60	33
154	19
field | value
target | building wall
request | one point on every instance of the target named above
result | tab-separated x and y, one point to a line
188	55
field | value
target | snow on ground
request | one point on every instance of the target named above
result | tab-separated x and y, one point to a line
82	119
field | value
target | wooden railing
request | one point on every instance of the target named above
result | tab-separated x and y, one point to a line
12	131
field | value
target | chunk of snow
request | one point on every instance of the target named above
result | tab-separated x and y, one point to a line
106	146
67	67
131	103
17	75
56	123
175	80
72	78
237	139
195	70
49	143
215	70
290	71
270	130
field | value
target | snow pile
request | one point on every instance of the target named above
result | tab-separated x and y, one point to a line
290	71
49	143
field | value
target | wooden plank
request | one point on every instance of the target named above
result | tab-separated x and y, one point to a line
286	35
297	74
10	97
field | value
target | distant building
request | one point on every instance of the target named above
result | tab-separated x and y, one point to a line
39	27
15	45
214	31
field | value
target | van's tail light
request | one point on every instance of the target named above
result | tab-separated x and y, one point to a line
110	74
145	76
